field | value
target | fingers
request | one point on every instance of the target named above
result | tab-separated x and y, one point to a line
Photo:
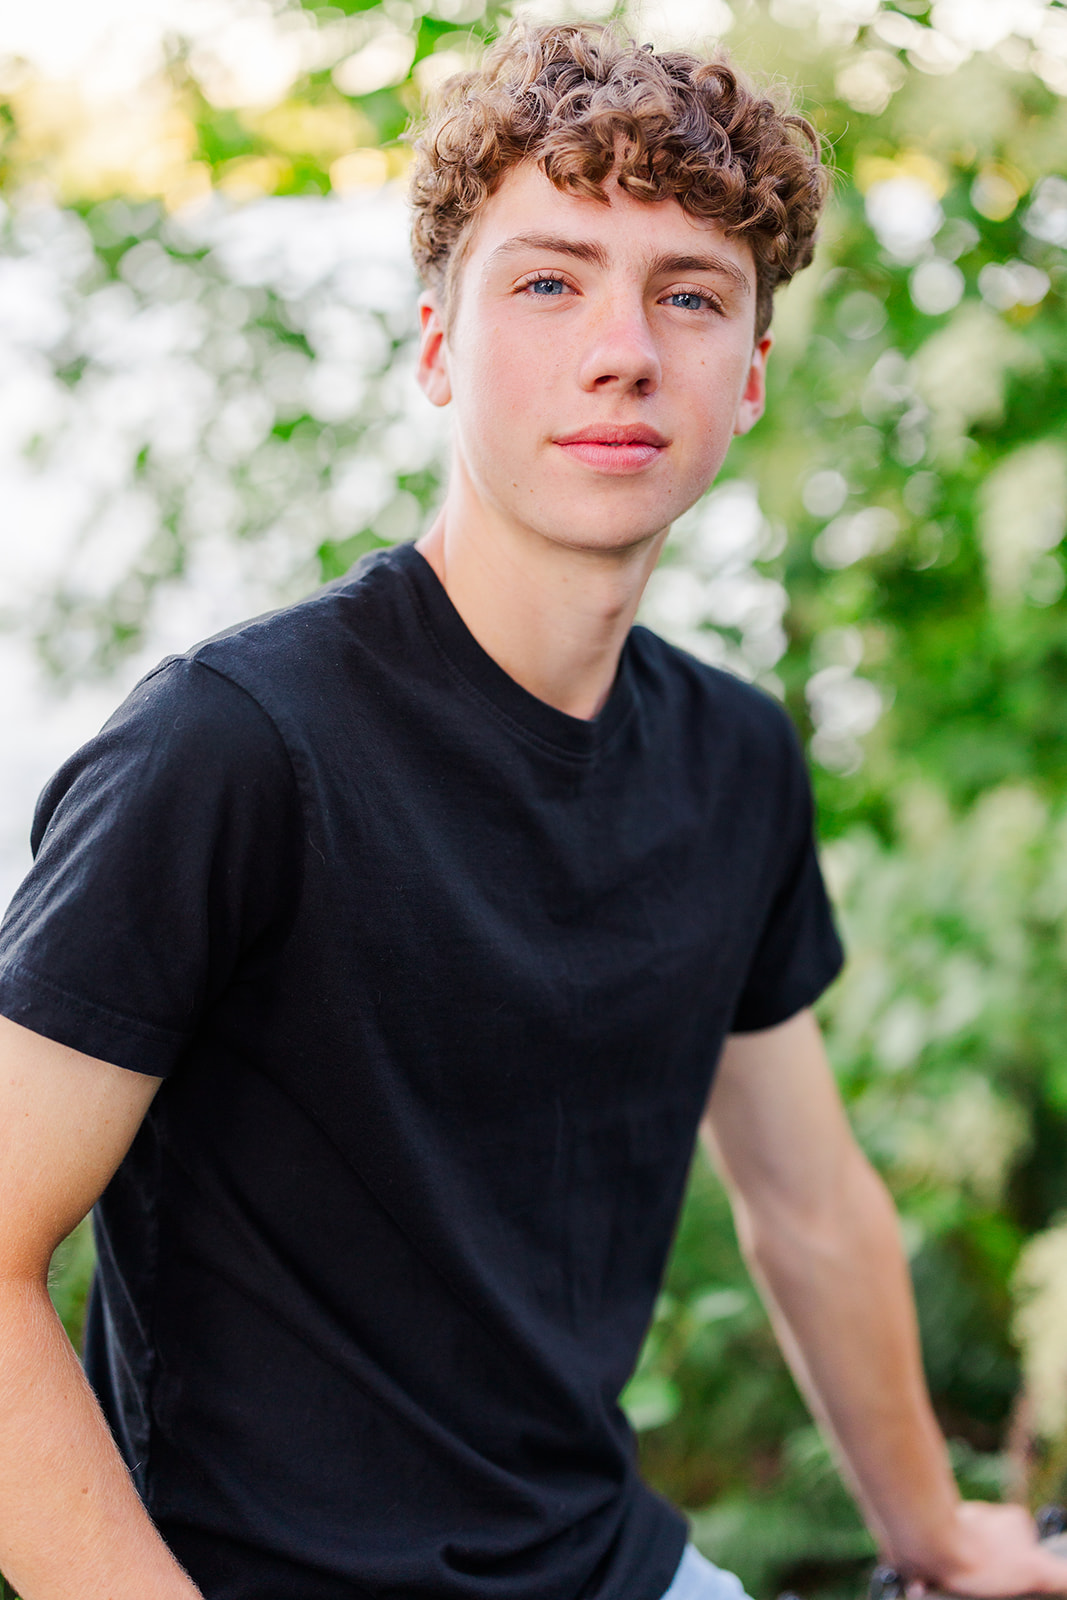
1051	1573
995	1554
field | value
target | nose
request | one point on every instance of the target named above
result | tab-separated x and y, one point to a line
619	351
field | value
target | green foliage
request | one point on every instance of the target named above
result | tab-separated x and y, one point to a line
946	1031
947	856
801	1530
911	477
69	1278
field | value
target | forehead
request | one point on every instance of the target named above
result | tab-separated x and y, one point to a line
527	204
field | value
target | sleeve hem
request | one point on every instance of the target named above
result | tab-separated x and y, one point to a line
96	1031
757	1015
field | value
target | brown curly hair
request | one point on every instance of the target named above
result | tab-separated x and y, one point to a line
587	103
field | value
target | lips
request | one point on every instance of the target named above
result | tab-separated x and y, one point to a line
614	447
615	434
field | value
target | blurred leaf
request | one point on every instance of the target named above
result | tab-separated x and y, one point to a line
69	1277
208	400
650	1400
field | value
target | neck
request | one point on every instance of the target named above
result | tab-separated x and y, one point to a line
555	618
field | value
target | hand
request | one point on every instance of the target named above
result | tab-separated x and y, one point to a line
988	1552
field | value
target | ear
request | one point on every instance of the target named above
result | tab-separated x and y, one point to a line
432	368
754	394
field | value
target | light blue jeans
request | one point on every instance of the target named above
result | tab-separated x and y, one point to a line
697	1579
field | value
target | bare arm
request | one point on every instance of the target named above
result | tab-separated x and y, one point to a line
820	1233
71	1524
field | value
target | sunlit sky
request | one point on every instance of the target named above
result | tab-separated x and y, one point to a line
249	52
96	116
111	46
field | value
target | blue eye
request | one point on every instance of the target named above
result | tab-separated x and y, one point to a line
546	286
688	300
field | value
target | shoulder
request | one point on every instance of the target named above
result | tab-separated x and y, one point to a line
184	706
318	633
717	706
240	698
243	708
184	738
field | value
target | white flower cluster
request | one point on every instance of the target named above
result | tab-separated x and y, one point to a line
944	934
709	595
146	490
1040	1318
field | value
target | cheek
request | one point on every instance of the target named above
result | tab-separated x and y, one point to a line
717	391
504	386
495	377
708	457
712	407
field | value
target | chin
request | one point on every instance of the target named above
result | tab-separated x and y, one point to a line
623	525
575	535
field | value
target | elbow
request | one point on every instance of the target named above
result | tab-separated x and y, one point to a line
819	1231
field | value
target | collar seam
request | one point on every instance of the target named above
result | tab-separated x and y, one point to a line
547	746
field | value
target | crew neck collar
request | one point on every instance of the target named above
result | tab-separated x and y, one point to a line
533	716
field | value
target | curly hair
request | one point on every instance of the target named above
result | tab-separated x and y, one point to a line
587	103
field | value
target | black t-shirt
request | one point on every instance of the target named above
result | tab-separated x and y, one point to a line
437	977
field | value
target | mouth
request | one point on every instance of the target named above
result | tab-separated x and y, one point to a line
614	448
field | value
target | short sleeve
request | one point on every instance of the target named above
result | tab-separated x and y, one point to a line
798	952
165	850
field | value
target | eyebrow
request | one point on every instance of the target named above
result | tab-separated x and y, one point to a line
589	250
667	265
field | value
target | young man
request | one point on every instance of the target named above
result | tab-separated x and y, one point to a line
378	956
